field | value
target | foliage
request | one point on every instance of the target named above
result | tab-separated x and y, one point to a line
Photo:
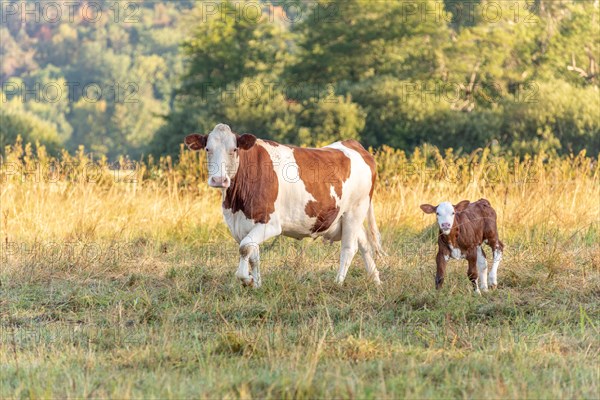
408	78
104	83
20	124
460	74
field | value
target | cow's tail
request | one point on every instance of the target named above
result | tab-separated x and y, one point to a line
373	234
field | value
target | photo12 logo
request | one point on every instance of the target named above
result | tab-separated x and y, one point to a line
468	172
52	252
62	172
253	92
55	12
439	11
287	12
461	94
56	91
470	11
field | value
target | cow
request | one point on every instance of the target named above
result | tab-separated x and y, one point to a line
271	189
463	228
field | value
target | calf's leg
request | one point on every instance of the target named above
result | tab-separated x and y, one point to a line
482	269
498	249
441	261
250	254
472	270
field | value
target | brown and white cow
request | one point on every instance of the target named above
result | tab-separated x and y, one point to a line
271	189
463	230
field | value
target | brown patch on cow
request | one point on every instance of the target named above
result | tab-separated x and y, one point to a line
320	170
254	187
271	142
368	157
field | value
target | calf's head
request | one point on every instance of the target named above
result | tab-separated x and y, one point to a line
445	213
222	149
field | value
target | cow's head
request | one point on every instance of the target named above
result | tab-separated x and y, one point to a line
222	149
445	213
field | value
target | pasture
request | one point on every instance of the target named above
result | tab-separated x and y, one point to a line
122	284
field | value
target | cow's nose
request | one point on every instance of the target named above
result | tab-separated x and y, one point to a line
446	225
219	181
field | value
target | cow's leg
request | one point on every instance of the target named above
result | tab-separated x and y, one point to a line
482	269
350	229
472	271
495	264
250	254
363	246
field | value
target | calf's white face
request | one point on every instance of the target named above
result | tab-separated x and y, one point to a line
445	216
445	213
222	149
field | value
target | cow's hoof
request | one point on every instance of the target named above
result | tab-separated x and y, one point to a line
248	282
493	287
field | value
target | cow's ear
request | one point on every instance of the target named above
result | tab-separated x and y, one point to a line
195	142
428	208
246	141
461	206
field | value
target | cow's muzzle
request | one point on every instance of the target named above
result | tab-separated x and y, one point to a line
222	182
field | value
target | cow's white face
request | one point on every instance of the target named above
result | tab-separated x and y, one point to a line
222	150
445	213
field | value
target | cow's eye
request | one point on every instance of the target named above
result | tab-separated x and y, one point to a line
235	150
452	213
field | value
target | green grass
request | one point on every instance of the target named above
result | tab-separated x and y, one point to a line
182	326
137	298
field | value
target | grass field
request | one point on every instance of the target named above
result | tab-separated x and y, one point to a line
127	289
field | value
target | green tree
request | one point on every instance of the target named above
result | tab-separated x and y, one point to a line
15	121
357	39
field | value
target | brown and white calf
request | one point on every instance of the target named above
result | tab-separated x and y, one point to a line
463	230
271	189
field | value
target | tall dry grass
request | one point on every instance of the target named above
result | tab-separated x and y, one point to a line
79	197
126	279
547	205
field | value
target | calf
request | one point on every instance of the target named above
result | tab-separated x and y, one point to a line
271	189
464	228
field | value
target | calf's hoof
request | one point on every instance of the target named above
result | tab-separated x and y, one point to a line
493	287
439	283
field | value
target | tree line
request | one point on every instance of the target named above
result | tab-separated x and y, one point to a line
521	76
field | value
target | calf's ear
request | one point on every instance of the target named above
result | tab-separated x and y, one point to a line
195	142
428	208
461	206
246	141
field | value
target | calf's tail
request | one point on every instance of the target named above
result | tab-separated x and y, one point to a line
373	234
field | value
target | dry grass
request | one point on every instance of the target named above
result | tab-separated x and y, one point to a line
117	288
